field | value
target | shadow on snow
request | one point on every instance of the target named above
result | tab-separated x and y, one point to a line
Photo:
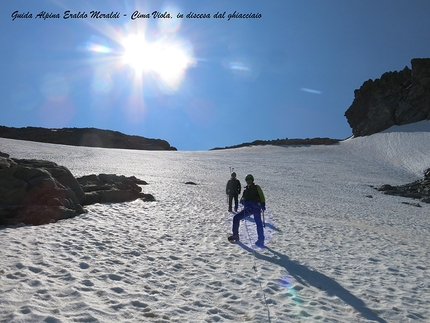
267	225
308	277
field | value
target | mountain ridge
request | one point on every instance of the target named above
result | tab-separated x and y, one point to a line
88	137
285	142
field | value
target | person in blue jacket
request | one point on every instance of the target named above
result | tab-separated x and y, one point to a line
253	202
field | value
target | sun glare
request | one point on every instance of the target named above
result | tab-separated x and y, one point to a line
165	59
137	53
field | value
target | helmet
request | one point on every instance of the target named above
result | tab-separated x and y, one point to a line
249	176
233	174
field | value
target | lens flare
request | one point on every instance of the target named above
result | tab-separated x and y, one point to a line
242	66
132	63
238	66
97	45
56	112
102	82
305	89
54	85
286	281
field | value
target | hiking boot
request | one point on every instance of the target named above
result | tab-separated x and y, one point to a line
233	238
229	210
259	243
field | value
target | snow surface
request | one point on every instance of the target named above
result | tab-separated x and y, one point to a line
337	250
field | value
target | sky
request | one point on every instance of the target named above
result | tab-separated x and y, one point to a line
273	70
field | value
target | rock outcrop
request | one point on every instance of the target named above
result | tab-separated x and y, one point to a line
110	188
397	98
38	192
419	189
90	137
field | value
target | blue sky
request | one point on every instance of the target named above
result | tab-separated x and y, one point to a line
201	83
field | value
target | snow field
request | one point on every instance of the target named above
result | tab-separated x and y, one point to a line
337	250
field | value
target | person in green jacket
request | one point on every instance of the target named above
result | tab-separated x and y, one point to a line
253	202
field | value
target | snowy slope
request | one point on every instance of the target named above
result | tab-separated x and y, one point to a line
337	250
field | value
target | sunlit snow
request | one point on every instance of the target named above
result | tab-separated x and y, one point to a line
337	250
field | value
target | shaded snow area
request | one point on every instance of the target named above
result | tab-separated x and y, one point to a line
336	249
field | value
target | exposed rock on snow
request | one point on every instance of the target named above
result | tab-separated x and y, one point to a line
397	98
38	191
106	188
419	189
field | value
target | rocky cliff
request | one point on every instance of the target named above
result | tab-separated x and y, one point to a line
90	137
396	98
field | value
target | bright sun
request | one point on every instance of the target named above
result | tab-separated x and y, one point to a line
165	59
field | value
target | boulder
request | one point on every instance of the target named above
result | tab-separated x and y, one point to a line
110	188
38	191
60	173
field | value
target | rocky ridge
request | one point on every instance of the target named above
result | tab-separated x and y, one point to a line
90	137
286	142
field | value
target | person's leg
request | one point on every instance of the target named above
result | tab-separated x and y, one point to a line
259	224
230	199
236	202
236	221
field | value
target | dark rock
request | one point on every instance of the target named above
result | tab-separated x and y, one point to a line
110	188
426	199
36	214
286	142
38	192
397	98
419	189
413	204
137	181
90	137
386	187
190	183
60	173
